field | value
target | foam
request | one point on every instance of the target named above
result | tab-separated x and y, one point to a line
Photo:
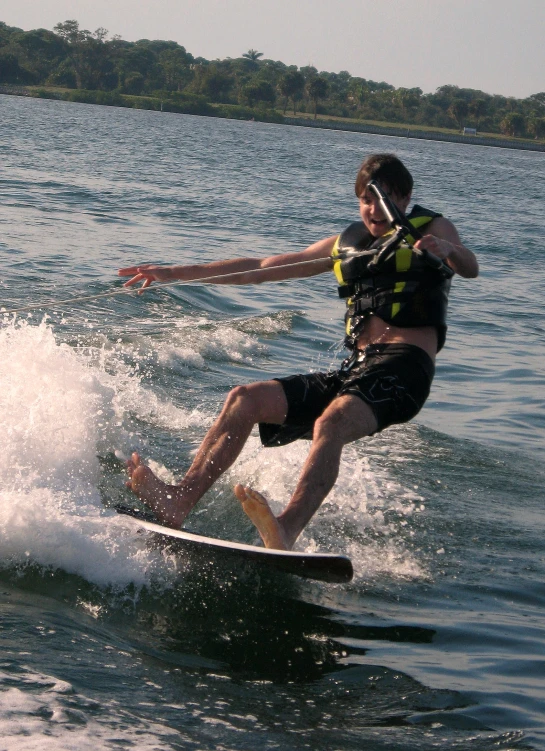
45	714
57	413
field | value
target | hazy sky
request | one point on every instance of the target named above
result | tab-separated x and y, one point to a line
493	45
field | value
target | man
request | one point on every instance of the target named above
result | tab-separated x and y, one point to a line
396	325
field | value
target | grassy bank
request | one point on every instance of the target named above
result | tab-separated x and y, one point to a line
167	101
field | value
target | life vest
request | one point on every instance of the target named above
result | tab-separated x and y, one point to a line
400	288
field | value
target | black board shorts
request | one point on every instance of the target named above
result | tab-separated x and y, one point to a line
393	379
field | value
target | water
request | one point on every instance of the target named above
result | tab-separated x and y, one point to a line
439	640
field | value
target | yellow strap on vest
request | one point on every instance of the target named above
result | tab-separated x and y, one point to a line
337	263
417	221
404	256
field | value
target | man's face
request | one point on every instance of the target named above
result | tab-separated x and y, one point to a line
371	213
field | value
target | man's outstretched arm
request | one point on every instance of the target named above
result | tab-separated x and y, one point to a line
313	260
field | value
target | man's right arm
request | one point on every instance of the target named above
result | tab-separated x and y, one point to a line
444	242
313	260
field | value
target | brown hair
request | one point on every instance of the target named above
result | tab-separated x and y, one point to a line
386	169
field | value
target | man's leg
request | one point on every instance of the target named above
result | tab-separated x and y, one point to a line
244	407
345	420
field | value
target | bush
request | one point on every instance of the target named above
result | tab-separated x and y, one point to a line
46	94
86	96
240	112
189	106
141	102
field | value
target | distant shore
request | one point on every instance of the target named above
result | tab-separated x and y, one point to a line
410	132
245	113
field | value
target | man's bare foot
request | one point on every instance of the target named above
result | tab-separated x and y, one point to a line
259	511
164	500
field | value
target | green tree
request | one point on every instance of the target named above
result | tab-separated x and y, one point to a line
459	110
291	86
175	65
215	83
358	91
142	57
536	127
309	72
513	124
339	86
317	89
478	109
10	70
134	83
539	99
406	98
89	55
38	51
258	91
77	40
5	33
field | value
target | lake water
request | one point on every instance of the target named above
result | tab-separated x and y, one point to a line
439	641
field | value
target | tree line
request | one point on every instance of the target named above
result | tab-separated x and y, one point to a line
82	61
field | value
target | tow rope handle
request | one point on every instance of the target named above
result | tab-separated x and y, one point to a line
403	228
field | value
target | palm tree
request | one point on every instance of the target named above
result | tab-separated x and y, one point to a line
252	55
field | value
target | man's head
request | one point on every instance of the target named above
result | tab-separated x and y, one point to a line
387	170
393	177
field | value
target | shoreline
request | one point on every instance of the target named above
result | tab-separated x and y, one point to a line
324	124
425	135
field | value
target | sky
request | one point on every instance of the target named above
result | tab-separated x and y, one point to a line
492	45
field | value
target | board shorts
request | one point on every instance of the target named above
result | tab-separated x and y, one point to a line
393	379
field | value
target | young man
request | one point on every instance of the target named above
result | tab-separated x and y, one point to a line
396	324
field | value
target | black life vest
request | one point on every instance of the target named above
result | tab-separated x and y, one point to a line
401	289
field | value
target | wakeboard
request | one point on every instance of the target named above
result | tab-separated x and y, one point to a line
327	567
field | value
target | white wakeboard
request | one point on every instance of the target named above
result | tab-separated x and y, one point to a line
328	567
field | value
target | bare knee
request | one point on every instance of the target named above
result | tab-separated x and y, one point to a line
240	400
263	401
345	420
329	426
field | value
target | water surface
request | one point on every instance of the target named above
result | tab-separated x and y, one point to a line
439	640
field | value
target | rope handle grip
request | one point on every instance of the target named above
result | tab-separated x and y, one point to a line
403	228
